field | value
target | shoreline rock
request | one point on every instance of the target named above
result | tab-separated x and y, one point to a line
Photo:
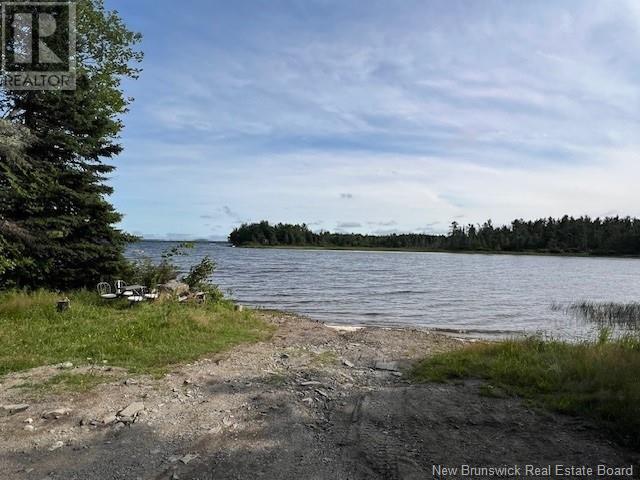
13	409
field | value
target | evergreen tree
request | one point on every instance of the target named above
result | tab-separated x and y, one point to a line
16	182
65	212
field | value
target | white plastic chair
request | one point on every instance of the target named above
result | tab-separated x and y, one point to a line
136	296
104	290
152	296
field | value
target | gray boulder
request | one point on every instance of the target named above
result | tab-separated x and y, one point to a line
11	409
130	413
174	287
386	366
56	414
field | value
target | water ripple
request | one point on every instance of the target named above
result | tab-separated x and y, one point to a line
478	293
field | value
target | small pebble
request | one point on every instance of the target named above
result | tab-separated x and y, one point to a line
56	446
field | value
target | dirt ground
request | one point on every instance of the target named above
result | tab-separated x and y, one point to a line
311	403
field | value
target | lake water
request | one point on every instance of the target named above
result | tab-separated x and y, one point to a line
481	294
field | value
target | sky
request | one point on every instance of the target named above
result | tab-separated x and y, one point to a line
378	116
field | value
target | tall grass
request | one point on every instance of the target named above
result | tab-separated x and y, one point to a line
143	337
609	314
594	379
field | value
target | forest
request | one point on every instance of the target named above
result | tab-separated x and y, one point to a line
567	235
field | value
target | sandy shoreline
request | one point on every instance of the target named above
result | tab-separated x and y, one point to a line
312	402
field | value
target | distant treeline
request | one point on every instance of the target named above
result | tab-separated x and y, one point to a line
583	235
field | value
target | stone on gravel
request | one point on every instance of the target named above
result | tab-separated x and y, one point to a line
56	414
132	410
109	419
387	366
348	363
214	430
310	383
65	366
322	392
56	446
29	428
188	457
11	409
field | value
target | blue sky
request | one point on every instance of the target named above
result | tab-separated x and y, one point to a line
380	117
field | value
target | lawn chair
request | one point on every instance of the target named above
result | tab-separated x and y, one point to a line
104	290
137	296
121	289
152	296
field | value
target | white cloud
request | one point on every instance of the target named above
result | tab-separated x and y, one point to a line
421	113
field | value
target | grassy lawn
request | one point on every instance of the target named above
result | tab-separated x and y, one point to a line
65	382
147	337
599	380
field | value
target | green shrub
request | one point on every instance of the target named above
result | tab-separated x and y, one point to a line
145	272
200	273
